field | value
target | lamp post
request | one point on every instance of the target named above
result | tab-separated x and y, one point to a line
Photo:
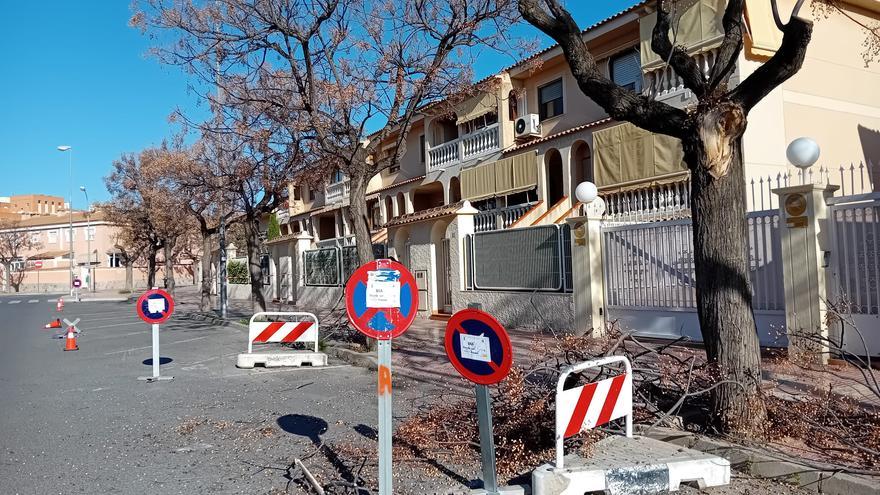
90	275
803	152
69	150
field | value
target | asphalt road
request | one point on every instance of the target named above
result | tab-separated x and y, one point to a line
81	422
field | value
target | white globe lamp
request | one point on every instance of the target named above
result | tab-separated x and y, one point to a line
803	152
586	192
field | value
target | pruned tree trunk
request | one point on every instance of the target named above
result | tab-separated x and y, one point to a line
252	238
356	213
205	303
724	293
129	275
151	266
170	282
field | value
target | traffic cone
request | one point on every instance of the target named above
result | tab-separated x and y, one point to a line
60	305
70	343
56	323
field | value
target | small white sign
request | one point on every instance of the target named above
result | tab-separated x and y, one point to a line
155	305
475	347
383	289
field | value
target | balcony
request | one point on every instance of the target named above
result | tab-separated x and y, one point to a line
663	81
500	218
484	141
336	193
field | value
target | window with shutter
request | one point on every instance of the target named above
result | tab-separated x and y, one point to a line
550	100
626	70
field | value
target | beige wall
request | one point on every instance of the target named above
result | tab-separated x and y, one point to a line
833	99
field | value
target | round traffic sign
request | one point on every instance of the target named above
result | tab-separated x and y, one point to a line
381	299
38	264
77	283
478	346
155	306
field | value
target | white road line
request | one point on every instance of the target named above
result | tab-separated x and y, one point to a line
120	317
31	301
14	302
127	334
161	345
86	323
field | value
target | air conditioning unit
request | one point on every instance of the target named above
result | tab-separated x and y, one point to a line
527	126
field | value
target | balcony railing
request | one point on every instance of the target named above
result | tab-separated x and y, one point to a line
335	193
663	80
505	217
469	146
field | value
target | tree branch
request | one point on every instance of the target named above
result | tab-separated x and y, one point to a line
682	63
620	103
784	64
731	45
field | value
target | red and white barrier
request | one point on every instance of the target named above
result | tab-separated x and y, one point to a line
593	404
281	328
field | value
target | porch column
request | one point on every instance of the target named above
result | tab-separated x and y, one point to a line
383	211
803	230
588	270
407	207
302	242
464	219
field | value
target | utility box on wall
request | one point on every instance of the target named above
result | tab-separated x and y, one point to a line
422	284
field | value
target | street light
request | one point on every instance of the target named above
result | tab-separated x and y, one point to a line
62	149
91	276
802	153
586	192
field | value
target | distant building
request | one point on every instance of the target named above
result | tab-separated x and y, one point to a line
32	204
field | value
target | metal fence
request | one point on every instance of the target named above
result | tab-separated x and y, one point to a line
332	266
855	228
500	218
651	265
528	259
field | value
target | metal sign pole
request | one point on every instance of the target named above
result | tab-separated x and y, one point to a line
156	351
487	442
384	417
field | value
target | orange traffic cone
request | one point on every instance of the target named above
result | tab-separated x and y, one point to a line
60	305
70	344
56	323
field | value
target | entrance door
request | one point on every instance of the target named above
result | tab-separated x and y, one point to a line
444	279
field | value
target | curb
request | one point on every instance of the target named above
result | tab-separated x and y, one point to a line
749	461
212	319
354	358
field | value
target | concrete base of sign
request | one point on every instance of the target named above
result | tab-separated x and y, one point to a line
504	490
279	359
623	465
155	378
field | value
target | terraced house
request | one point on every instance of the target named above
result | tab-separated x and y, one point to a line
478	206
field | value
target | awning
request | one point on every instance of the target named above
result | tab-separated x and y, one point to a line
498	178
475	107
626	153
764	38
699	27
48	255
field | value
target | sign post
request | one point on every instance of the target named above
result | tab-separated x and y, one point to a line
77	283
381	301
38	264
479	348
154	307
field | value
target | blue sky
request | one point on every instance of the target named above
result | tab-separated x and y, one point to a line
81	77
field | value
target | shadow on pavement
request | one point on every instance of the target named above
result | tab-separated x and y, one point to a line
162	360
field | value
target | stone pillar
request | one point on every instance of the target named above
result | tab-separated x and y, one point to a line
302	243
464	219
407	207
284	268
803	230
588	271
383	211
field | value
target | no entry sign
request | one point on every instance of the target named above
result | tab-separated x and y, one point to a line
381	299
478	346
155	306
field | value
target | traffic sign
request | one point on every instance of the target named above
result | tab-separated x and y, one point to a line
77	283
155	306
38	264
381	299
478	346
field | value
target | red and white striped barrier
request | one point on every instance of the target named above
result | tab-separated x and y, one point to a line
282	328
593	404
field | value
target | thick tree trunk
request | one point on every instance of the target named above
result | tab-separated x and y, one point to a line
356	212
151	267
252	238
724	295
205	302
170	282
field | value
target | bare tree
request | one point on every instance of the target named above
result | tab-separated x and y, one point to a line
346	76
710	132
15	241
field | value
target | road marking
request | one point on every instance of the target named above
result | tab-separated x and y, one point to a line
31	301
14	302
121	317
128	334
150	347
117	325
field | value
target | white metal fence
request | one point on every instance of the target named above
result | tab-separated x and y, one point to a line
649	270
500	218
528	259
855	226
331	266
852	179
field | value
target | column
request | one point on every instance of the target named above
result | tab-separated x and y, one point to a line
408	202
302	243
383	211
803	231
464	220
588	271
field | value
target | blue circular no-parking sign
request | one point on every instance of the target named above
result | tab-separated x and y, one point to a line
155	306
478	346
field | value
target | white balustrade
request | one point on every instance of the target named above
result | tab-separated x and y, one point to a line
469	146
335	193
